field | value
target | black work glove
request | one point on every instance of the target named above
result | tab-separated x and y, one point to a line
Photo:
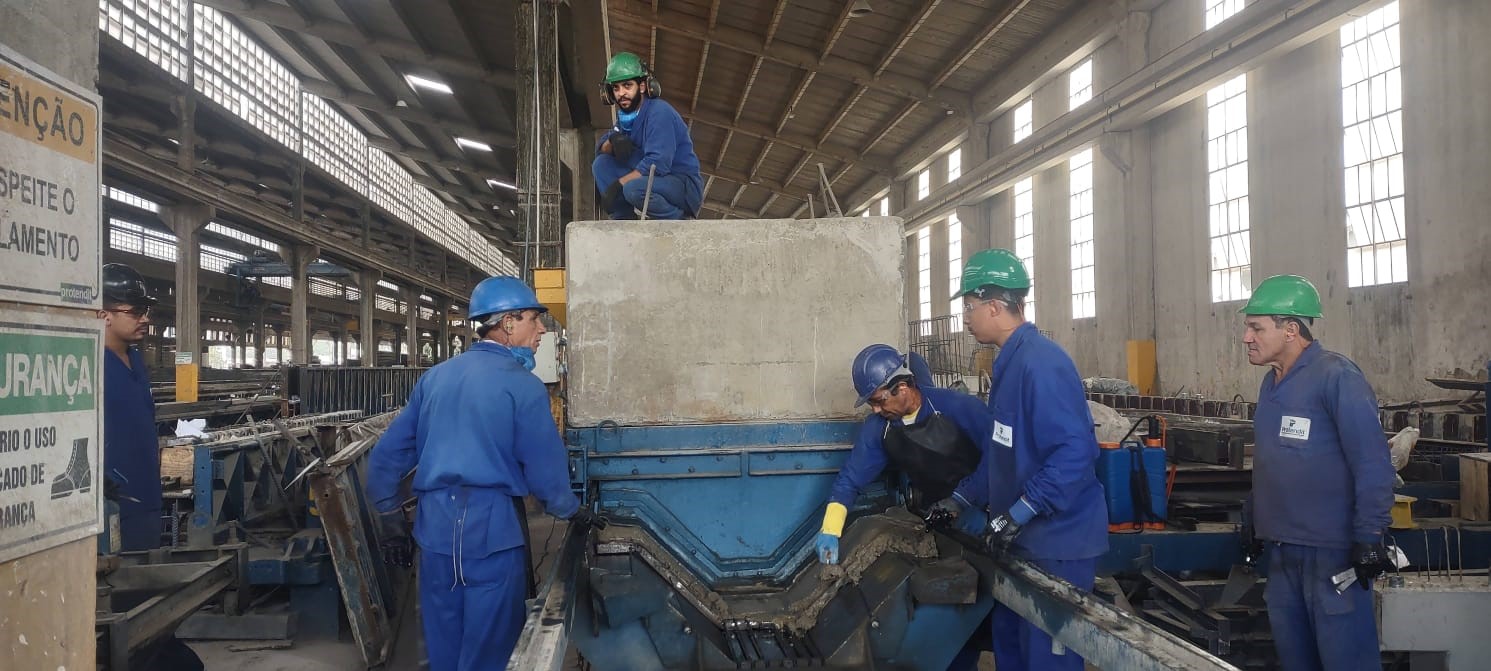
608	198
621	145
1252	545
395	545
943	513
1002	531
584	518
1370	560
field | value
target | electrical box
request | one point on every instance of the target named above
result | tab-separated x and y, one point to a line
547	357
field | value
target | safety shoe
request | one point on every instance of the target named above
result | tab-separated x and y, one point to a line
79	475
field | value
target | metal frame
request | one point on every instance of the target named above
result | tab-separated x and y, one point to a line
183	581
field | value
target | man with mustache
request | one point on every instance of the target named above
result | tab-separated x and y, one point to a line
1322	484
649	135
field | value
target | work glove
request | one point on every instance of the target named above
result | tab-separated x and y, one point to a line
1252	545
608	198
943	513
1002	530
1370	560
396	546
828	548
583	518
973	521
621	145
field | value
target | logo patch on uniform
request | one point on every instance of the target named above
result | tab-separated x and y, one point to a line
1294	427
1003	434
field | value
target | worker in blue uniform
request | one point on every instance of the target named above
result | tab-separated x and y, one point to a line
1322	484
131	476
479	429
649	136
1038	476
932	435
131	446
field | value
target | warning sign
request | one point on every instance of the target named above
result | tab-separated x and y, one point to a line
49	187
50	433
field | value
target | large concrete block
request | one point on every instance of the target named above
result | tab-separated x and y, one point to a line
715	321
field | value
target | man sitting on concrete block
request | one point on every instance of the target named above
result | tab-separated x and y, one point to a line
649	136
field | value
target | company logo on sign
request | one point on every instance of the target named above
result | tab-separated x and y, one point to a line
1297	428
76	293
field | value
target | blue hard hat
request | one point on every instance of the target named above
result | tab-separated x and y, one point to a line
920	370
503	293
874	366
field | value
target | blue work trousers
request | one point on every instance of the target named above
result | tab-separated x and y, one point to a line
472	616
673	195
1022	646
1314	627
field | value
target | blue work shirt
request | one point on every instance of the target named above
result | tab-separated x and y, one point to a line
662	139
132	450
1042	448
1322	474
479	428
867	459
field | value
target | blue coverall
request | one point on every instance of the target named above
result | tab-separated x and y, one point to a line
132	450
661	139
1041	450
479	428
1322	480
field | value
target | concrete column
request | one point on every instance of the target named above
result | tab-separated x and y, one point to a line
300	258
442	314
259	336
411	324
186	221
366	324
576	143
539	190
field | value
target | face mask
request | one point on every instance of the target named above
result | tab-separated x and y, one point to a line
624	118
525	356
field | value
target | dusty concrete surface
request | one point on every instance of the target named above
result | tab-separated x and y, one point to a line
709	321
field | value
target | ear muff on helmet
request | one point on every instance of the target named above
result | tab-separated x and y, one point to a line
650	86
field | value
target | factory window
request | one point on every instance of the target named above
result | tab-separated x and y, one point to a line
1371	80
155	29
1025	237
954	164
232	70
391	187
333	143
885	206
217	259
282	281
1024	120
924	272
923	184
955	268
261	243
1227	190
134	238
387	304
1079	85
385	346
1084	280
131	199
1218	11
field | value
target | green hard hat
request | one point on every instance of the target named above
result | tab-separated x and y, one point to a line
1286	296
624	66
999	267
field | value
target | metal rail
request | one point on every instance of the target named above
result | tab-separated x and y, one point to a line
1103	635
546	632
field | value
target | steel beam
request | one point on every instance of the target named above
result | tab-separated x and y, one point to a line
336	32
542	645
1103	635
1264	28
792	55
333	93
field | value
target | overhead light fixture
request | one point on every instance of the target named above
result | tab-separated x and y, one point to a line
860	8
418	82
497	182
473	144
400	103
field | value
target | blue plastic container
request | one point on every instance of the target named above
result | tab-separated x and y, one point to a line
1122	470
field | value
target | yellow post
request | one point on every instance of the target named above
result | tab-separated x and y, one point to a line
548	284
1142	368
186	377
